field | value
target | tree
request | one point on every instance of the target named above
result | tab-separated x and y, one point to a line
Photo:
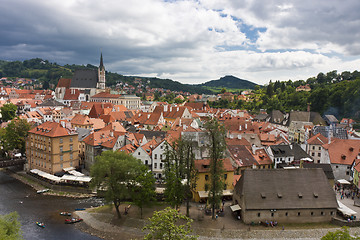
15	135
180	166
8	112
342	234
116	173
223	90
169	224
216	134
143	192
10	227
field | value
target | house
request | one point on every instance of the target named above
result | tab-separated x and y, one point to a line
202	166
284	155
51	147
81	121
285	196
314	146
331	131
341	153
158	158
299	131
305	88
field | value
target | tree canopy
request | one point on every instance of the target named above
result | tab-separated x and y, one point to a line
13	137
8	112
116	173
169	224
10	227
342	234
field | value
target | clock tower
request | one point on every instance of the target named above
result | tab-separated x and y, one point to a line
101	74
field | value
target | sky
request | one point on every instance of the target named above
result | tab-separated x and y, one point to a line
190	41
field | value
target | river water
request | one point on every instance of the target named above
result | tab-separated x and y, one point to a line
32	207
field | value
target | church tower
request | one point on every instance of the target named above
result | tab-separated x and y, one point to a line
101	74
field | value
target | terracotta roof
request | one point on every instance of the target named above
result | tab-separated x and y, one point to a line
71	94
114	126
98	108
149	146
242	156
343	151
317	139
81	120
119	108
98	138
107	118
64	82
52	129
203	165
106	95
236	141
128	148
97	123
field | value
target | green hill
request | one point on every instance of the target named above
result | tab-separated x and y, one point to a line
228	82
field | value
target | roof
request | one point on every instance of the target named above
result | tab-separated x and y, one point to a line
203	165
324	166
51	103
52	129
343	151
303	116
81	120
285	189
71	94
64	82
289	150
84	78
317	139
105	95
242	156
337	132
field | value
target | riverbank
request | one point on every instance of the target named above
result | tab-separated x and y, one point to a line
22	177
102	223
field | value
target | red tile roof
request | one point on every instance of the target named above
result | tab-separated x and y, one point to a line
64	82
317	139
203	165
343	151
52	129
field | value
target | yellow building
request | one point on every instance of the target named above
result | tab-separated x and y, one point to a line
81	121
200	194
51	147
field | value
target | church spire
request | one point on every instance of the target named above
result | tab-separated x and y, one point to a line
101	62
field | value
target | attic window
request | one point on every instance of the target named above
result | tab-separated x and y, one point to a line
263	195
279	195
300	195
316	195
351	149
343	157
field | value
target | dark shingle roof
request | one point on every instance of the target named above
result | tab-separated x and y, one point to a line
51	103
84	78
289	150
324	166
285	189
337	132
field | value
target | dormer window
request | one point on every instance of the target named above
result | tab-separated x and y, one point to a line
343	157
279	195
316	195
300	195
263	195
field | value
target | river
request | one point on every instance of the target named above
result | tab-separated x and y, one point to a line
32	207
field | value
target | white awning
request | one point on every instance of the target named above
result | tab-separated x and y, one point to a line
76	173
68	169
205	194
45	175
343	181
345	210
235	207
75	178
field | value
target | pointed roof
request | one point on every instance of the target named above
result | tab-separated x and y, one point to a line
317	139
51	129
101	62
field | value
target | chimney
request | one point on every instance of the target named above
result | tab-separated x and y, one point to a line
240	128
239	136
177	109
245	125
170	109
253	149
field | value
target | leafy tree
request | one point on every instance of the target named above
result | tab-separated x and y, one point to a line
8	112
116	172
174	190
342	234
270	89
143	192
169	224
10	227
217	146
223	90
15	135
180	162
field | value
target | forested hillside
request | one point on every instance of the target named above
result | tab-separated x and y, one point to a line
331	93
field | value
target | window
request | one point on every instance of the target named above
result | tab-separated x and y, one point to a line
61	166
319	148
258	214
313	147
146	162
272	214
312	213
225	176
206	177
225	186
319	154
322	213
61	149
160	156
71	139
139	153
337	166
298	213
71	147
313	154
155	165
155	156
331	213
61	157
286	214
61	140
71	156
161	165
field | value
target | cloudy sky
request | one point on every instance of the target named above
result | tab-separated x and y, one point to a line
188	41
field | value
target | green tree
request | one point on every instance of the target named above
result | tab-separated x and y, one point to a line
169	224
10	227
143	192
116	173
174	189
342	234
217	146
180	170
270	89
8	112
15	135
223	90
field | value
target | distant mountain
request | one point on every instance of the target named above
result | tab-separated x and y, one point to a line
229	82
